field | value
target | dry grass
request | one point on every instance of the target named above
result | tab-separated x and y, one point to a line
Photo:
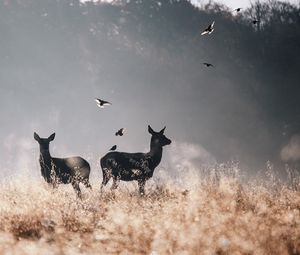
217	215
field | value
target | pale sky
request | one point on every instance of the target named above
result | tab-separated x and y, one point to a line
230	3
239	3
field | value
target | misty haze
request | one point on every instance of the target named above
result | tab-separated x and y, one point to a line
229	94
57	56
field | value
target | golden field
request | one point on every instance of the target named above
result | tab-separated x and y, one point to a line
216	213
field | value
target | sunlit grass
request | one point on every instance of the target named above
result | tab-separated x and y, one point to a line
216	214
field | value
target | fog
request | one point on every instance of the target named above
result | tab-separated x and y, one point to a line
146	58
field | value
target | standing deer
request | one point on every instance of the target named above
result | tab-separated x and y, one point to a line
134	166
62	170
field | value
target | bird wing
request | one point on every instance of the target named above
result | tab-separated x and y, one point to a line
204	32
212	25
106	103
98	102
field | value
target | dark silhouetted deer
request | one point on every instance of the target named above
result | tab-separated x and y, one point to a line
134	166
72	170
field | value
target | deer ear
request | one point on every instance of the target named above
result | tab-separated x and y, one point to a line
51	137
150	130
162	131
36	137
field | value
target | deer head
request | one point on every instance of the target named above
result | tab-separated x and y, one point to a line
158	139
44	142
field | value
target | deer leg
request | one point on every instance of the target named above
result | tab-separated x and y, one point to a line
106	177
141	184
87	184
116	181
77	189
54	183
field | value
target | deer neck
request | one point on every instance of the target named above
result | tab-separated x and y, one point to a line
45	159
155	155
46	164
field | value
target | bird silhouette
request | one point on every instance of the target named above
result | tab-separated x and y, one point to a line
113	148
208	64
120	132
237	9
101	103
209	29
254	22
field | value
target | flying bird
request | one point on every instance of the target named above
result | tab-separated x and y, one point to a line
101	103
208	64
237	9
113	148
209	29
120	132
255	21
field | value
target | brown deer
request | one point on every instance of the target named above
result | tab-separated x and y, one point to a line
134	166
72	170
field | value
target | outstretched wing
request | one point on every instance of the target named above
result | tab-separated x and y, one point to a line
98	102
106	102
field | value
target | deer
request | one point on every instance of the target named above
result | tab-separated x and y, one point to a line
74	170
122	166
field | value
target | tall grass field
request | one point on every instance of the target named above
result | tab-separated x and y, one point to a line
217	212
